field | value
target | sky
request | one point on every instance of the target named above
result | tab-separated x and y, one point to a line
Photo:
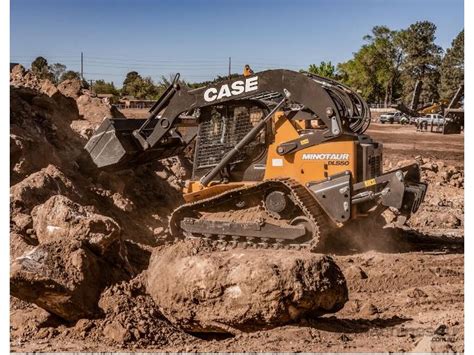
196	38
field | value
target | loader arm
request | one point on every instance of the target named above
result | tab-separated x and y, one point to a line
120	143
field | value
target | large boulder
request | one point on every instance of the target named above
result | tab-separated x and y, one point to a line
24	196
38	187
63	277
200	290
59	217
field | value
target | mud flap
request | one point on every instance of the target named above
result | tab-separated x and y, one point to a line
334	196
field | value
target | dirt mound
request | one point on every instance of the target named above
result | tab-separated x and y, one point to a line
242	290
40	132
128	319
131	316
73	228
44	141
443	207
85	110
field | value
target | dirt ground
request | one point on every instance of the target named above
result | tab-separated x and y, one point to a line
406	286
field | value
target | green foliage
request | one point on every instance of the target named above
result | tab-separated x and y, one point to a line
374	70
57	71
131	76
388	58
103	87
325	69
421	60
452	68
140	88
360	73
387	67
69	75
40	67
215	80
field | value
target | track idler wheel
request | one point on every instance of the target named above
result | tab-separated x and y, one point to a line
278	204
309	226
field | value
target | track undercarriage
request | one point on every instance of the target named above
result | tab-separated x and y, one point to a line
277	213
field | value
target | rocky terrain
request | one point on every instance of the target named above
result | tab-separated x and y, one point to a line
89	271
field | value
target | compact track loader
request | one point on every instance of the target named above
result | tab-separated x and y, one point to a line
280	158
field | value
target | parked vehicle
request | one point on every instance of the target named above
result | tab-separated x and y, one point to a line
434	118
392	117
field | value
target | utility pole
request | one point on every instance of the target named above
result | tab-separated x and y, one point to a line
230	66
82	66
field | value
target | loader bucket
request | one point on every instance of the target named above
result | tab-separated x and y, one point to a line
113	147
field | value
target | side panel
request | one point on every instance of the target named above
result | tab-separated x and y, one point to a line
313	163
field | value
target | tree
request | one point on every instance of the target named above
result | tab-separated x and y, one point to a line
388	61
40	67
69	75
56	71
375	69
103	87
452	68
360	73
131	77
421	60
324	69
141	88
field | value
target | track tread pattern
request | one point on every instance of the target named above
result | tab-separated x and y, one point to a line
300	195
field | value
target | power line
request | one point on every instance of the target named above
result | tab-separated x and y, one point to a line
168	62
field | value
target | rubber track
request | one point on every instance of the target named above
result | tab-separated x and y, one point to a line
300	195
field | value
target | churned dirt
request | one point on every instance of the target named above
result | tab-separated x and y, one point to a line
72	227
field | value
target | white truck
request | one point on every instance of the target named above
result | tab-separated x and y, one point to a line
392	117
434	119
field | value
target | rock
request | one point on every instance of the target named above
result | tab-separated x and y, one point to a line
430	166
63	277
19	245
84	128
39	187
158	231
368	309
344	338
116	332
95	110
355	272
448	220
59	217
242	290
417	293
123	203
27	321
84	325
21	222
40	132
71	88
